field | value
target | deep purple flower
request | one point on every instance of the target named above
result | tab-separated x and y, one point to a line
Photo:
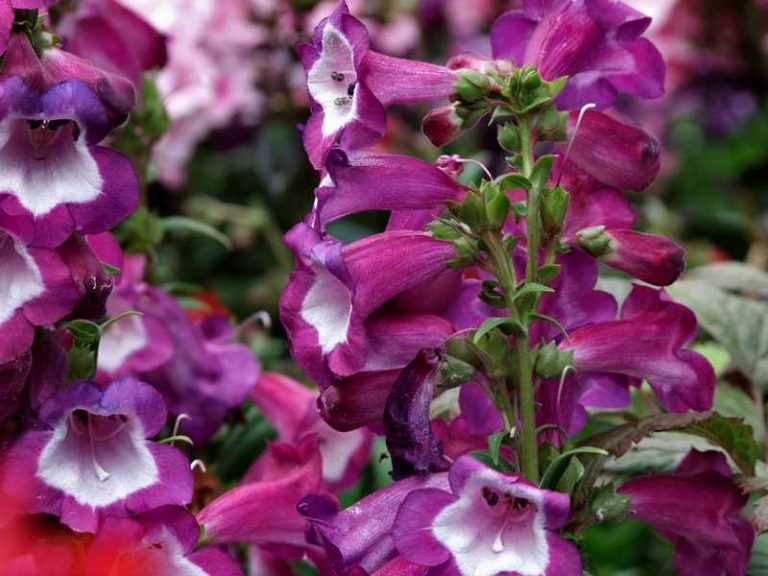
337	288
697	507
597	43
54	179
360	537
350	85
291	408
13	377
647	343
488	524
161	542
93	458
91	278
36	289
412	446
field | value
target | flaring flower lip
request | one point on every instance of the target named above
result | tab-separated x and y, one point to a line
488	524
360	537
698	508
349	85
94	460
682	379
54	181
597	43
37	289
161	542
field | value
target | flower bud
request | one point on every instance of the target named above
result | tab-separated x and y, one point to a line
650	258
472	85
442	125
613	152
551	362
554	205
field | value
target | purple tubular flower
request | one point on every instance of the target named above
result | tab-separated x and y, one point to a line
413	447
614	153
357	400
6	23
36	289
360	537
382	182
114	38
263	510
337	287
54	180
161	542
597	43
648	257
291	408
349	85
697	508
478	410
647	343
488	524
94	459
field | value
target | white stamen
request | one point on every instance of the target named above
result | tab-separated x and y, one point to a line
100	472
476	163
177	425
199	464
573	137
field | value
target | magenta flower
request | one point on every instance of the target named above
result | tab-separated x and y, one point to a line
337	288
54	179
360	537
291	408
114	38
350	85
487	524
92	458
698	508
615	153
682	379
36	289
364	182
597	43
262	510
160	542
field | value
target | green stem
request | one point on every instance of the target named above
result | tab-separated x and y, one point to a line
527	406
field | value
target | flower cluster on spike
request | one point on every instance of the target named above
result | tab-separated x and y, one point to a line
93	360
471	332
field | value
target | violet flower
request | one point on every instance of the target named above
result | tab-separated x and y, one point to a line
597	43
350	85
36	289
336	288
360	537
487	524
54	178
698	508
162	542
93	458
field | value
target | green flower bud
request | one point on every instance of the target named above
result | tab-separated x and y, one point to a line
594	240
472	85
554	205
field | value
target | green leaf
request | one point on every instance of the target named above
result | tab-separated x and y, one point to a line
730	401
513	181
733	435
81	364
84	331
573	474
758	566
739	324
558	467
494	445
184	224
530	288
733	276
111	270
541	170
488	325
546	273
